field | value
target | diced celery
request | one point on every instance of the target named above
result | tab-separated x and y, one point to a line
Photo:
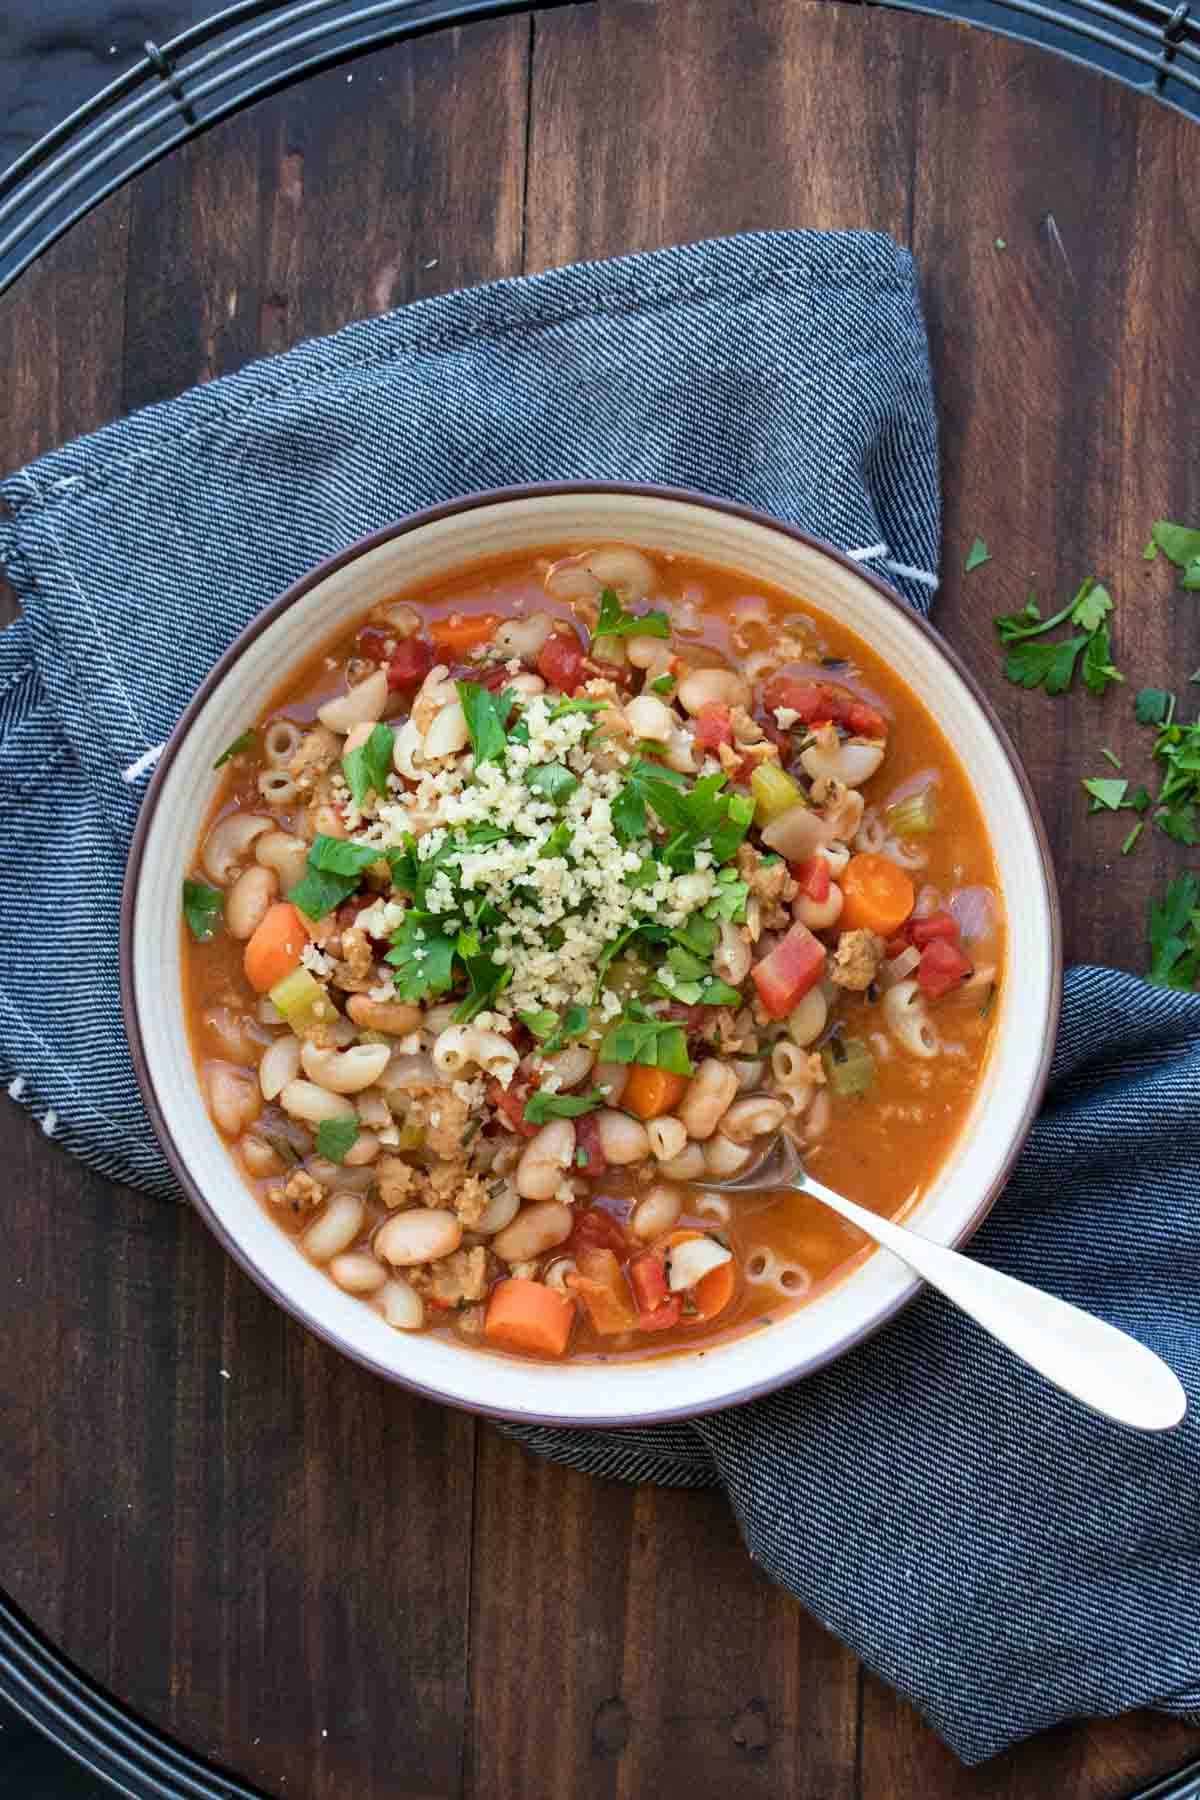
300	998
849	1067
914	817
411	1136
774	792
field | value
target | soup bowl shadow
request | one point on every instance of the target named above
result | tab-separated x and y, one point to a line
428	547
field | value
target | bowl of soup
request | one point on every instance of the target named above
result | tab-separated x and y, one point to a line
515	877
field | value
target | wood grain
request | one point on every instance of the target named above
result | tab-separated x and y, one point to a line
332	1588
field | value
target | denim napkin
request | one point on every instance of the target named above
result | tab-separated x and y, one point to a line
1001	1556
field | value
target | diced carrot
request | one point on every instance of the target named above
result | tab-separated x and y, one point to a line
651	1092
463	631
273	950
712	1294
878	895
599	1283
527	1315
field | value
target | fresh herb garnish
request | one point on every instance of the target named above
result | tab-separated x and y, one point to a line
335	869
367	768
1175	935
554	1032
1133	837
1154	706
662	684
246	741
1052	665
486	979
1180	544
977	555
541	1106
729	901
1110	756
421	956
335	1137
552	781
202	908
1107	794
638	1038
614	621
486	717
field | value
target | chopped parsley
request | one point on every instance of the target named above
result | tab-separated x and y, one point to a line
1108	795
1180	544
1154	706
552	781
334	872
977	555
1052	665
541	1106
636	1037
614	621
202	908
662	684
246	741
553	1032
335	1137
1175	935
367	768
486	716
422	956
704	814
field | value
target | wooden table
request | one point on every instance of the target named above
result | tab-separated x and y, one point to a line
333	1589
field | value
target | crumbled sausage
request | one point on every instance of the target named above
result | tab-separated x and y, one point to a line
319	749
445	1119
302	1192
770	884
448	1184
356	952
856	960
457	1279
397	1181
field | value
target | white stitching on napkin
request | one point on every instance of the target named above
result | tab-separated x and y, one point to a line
16	1087
50	1122
143	765
906	570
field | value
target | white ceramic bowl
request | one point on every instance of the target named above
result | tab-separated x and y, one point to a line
425	549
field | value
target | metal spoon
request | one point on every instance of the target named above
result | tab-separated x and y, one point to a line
1106	1369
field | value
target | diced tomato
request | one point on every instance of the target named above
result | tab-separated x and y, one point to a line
512	1100
942	967
599	1283
781	739
933	926
814	878
663	1317
822	703
712	726
411	662
648	1279
865	721
596	1229
493	680
587	1139
561	660
372	642
786	973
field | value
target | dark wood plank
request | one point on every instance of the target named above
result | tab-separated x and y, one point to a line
651	1657
256	1545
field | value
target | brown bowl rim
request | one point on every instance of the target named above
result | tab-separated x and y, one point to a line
474	502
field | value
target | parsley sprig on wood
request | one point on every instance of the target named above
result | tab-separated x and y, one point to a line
1033	661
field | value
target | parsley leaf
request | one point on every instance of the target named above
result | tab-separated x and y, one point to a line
662	684
1051	665
1152	706
367	768
1098	671
202	908
1175	935
341	856
1091	605
629	811
542	1024
542	1106
246	741
1180	544
559	841
1107	794
487	980
977	555
552	781
1027	623
729	901
1179	823
422	956
334	871
614	621
486	716
638	1038
335	1137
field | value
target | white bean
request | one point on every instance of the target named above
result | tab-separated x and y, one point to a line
668	1138
249	898
649	718
500	1210
626	571
556	1275
534	1230
819	915
906	1017
709	1095
570	1066
259	1157
610	1078
687	1166
280	1064
363	1150
656	1212
527	683
423	1235
335	1230
652	654
437	1018
345	1071
366	701
722	1157
523	637
749	1071
622	1139
731	960
358	1272
448	734
851	763
712	687
304	1100
285	854
544	1159
753	1117
396	1017
233	1097
406	747
681	754
797	833
402	1306
807	1021
819	1115
228	842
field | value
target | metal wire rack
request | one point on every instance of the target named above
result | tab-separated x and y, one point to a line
256	47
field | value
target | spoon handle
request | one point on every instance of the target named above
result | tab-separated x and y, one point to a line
1106	1369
